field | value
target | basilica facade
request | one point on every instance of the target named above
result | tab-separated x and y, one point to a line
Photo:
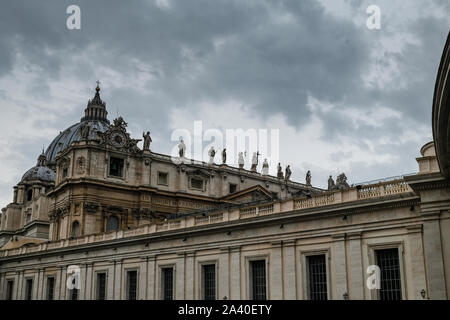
99	217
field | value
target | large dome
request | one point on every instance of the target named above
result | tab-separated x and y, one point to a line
95	115
71	134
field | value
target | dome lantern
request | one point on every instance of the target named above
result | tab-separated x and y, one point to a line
42	160
96	108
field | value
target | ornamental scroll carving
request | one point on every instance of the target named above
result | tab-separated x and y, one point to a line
117	138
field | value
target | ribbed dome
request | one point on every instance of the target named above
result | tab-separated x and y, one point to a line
71	134
94	115
39	173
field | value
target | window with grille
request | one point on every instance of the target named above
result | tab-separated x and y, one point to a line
388	262
101	286
131	284
197	183
163	178
209	282
258	279
29	289
9	289
50	288
317	277
116	167
167	283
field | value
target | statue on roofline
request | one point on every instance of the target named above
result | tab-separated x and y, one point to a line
288	173
211	154
308	178
331	184
265	168
241	160
181	148
147	140
279	171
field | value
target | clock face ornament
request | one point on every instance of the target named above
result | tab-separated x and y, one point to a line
118	139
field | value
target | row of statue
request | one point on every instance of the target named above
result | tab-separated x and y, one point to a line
340	184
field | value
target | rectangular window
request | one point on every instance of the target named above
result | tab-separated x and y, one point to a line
167	283
163	178
197	183
101	286
317	277
29	289
50	288
131	285
9	289
233	187
209	282
258	279
388	262
116	167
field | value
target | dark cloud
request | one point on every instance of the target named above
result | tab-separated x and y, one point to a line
276	62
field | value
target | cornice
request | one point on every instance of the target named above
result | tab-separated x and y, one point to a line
429	181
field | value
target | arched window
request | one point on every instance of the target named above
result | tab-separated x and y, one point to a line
75	229
112	223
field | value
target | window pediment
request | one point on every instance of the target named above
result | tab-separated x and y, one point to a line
204	174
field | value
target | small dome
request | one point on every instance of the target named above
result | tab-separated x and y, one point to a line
40	172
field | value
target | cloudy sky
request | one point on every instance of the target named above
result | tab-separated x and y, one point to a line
344	98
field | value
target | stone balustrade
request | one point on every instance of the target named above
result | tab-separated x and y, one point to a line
218	217
382	189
